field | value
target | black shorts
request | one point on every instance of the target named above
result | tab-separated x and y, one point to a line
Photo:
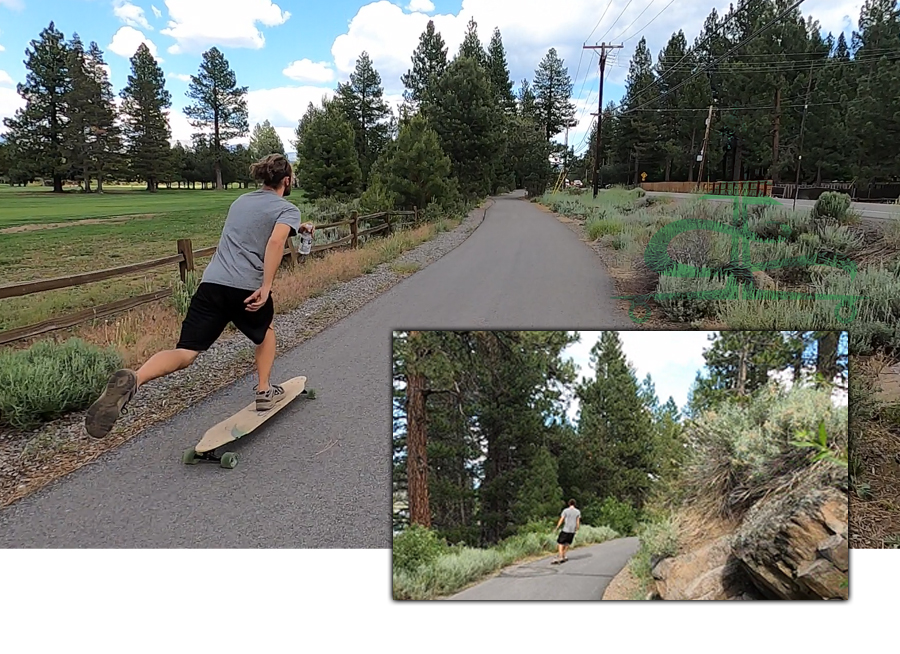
213	307
565	538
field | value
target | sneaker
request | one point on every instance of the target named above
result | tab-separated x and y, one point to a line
105	411
268	399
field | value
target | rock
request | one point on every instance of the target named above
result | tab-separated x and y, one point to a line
763	281
794	544
709	572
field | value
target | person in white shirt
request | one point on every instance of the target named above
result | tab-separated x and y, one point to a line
570	521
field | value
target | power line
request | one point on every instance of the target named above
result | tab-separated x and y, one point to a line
598	24
650	23
615	21
634	21
705	68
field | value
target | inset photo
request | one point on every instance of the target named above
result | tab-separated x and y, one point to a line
620	465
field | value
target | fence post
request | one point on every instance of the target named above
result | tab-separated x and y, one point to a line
293	248
354	229
416	214
387	219
186	265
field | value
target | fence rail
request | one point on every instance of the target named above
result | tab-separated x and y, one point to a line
752	188
186	263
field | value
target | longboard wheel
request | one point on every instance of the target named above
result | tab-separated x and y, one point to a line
311	393
189	457
229	460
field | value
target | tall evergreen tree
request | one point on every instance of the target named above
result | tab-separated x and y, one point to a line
471	45
553	93
429	61
145	122
615	426
526	102
220	105
38	129
499	74
327	163
264	140
639	128
362	101
465	118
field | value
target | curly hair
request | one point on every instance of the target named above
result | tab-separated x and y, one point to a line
271	170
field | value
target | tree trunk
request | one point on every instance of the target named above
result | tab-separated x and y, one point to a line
637	164
57	184
738	162
100	183
774	169
742	371
826	356
417	446
668	168
219	185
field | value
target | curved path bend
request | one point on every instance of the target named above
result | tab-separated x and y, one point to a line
584	576
521	269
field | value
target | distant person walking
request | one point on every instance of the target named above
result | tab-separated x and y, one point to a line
570	521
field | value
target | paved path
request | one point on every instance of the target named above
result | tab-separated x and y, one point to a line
584	576
521	269
865	209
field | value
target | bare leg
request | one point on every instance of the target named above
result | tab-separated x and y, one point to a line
265	360
165	363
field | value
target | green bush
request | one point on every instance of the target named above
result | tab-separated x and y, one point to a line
678	293
49	380
833	205
598	226
416	546
615	514
658	540
742	451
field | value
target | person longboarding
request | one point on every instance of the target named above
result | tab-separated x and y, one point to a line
570	521
236	288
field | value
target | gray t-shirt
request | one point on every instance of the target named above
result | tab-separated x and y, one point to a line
238	261
571	514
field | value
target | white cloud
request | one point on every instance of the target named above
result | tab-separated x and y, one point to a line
425	6
17	5
10	102
5	79
283	107
306	70
198	24
127	40
2	49
180	77
156	12
181	128
130	14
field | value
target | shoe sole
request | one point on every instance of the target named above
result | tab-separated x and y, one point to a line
105	411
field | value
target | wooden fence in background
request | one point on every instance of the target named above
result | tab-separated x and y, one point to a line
185	259
755	188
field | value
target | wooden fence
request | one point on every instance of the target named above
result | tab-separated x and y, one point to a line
185	259
755	188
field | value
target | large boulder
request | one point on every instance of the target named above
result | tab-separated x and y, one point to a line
794	545
709	572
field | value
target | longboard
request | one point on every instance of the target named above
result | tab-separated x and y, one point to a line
245	422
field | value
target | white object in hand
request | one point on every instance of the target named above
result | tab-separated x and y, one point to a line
305	243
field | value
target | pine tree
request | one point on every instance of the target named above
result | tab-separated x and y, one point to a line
38	129
468	125
429	62
327	162
526	102
471	45
499	74
220	105
528	156
264	141
639	128
553	93
145	123
362	101
416	170
615	427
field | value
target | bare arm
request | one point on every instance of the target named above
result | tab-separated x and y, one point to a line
559	524
271	262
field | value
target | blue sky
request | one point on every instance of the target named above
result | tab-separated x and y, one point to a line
291	52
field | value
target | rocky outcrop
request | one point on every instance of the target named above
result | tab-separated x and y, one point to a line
795	545
791	545
710	572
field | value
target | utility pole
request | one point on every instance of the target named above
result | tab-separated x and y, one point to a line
704	147
603	47
800	148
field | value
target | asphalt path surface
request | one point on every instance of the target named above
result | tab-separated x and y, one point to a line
864	209
521	269
584	576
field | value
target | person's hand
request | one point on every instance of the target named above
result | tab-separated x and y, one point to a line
258	300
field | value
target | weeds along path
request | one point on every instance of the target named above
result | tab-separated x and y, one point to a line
318	474
585	576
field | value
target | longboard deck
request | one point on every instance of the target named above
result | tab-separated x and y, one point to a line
247	419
